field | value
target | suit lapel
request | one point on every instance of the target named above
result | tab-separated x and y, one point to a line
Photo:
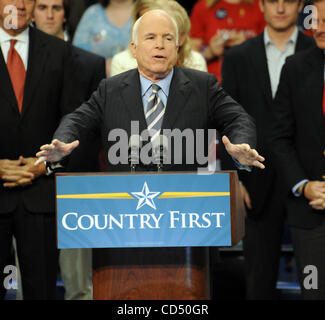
179	93
36	63
131	95
6	89
302	42
260	66
313	93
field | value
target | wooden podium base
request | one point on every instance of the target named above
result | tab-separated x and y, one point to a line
151	274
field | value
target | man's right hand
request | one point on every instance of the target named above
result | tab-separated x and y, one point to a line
55	151
315	192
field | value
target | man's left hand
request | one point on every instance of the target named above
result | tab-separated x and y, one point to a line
243	153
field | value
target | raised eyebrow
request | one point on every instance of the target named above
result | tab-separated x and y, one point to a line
149	34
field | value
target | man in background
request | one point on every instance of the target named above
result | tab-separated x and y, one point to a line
88	69
298	143
35	94
251	73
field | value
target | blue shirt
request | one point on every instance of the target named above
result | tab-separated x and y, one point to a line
146	89
95	33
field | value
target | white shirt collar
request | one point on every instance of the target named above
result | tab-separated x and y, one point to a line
292	39
4	36
66	36
164	84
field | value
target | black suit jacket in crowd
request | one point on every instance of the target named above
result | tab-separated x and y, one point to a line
298	133
51	91
246	78
88	69
195	101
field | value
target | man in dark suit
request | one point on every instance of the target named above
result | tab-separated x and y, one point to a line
118	101
87	69
51	16
298	143
36	91
160	96
251	73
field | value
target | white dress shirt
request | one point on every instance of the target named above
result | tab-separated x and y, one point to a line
276	58
275	61
21	46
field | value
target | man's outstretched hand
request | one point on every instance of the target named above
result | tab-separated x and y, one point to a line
55	151
243	153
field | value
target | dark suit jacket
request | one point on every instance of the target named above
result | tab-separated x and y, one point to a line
298	133
246	78
45	102
87	70
195	101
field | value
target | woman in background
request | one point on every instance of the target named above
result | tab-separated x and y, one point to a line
220	24
186	56
105	28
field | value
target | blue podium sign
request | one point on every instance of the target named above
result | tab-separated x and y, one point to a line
143	210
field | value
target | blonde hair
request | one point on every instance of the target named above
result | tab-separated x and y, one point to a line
211	3
184	27
141	5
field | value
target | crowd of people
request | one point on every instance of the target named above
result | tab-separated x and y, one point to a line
252	68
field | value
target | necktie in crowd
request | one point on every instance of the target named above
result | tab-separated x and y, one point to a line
17	73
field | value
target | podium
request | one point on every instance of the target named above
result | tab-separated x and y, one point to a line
162	273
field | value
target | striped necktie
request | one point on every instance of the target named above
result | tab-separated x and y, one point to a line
155	113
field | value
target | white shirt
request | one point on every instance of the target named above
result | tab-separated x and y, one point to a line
21	46
276	58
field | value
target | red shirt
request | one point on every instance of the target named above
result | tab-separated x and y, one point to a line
222	18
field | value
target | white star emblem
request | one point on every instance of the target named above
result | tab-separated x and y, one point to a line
145	197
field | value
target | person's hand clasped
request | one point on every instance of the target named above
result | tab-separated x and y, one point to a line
315	192
18	173
243	154
235	38
55	151
217	46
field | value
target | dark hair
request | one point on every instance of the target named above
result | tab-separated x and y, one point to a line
66	8
104	3
314	1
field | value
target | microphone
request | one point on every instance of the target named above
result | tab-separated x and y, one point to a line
135	144
160	152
